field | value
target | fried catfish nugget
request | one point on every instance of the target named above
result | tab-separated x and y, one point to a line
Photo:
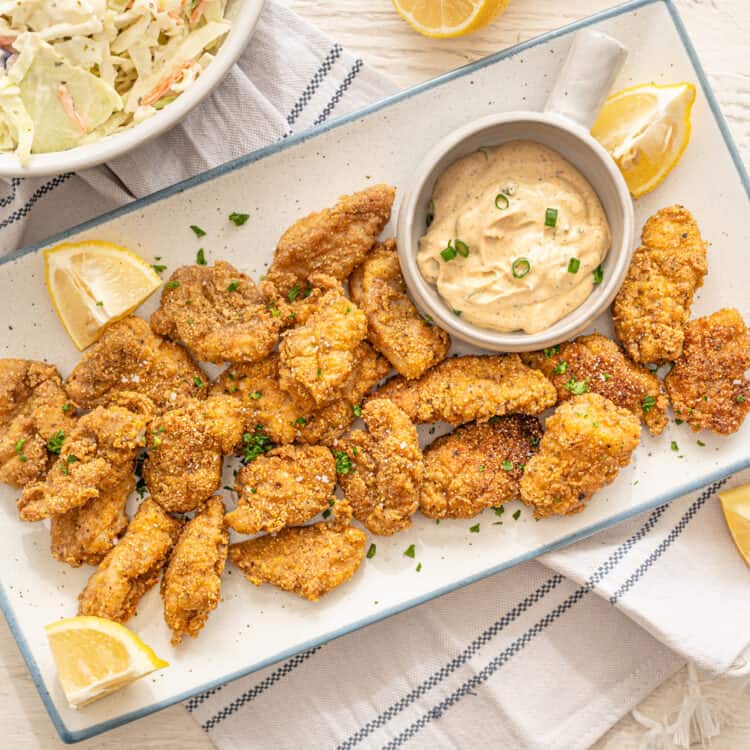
95	458
707	385
186	448
464	389
333	241
477	466
285	487
597	364
394	326
132	567
35	415
218	313
587	441
307	560
381	470
191	585
317	355
131	357
85	535
653	304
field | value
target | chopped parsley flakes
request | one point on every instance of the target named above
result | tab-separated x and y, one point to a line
474	529
577	387
19	450
200	258
255	444
648	403
238	219
55	443
197	231
409	551
343	462
371	551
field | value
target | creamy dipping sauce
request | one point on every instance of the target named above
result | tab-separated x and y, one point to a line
517	237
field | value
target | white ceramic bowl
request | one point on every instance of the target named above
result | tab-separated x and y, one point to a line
244	16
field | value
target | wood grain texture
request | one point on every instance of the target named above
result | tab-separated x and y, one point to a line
371	29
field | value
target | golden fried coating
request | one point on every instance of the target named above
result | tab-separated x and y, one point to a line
131	357
333	241
317	355
186	447
191	585
33	410
707	385
308	560
95	459
381	470
653	304
218	313
86	534
597	364
286	487
133	565
394	326
464	389
477	466
587	441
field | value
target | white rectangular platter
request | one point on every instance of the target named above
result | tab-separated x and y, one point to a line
254	627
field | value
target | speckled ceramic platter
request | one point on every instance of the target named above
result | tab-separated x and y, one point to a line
254	627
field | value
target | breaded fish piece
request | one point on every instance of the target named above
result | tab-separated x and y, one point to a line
471	388
317	355
85	535
477	466
218	313
307	560
132	567
653	304
380	471
95	459
186	447
587	441
707	385
191	585
285	487
394	326
596	364
131	357
333	241
34	409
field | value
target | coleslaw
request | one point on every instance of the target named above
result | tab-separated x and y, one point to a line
74	71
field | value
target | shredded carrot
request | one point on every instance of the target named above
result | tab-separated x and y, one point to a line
198	12
155	94
67	103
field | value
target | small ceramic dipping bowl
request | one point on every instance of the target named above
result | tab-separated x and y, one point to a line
592	65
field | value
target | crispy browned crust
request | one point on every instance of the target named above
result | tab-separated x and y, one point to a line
333	241
191	585
394	326
587	441
707	385
606	370
653	304
477	466
132	567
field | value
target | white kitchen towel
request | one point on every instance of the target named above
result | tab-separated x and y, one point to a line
535	657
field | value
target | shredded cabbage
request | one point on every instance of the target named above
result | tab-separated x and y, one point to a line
73	71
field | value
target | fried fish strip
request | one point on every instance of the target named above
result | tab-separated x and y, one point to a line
477	466
285	487
587	441
597	364
707	385
191	585
394	326
33	409
333	241
464	389
131	357
653	304
133	565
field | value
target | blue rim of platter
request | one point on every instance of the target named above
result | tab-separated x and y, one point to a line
70	736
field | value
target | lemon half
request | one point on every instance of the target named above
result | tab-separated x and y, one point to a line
736	506
441	19
93	284
94	657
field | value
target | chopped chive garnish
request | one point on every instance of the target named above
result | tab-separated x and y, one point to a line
233	286
499	510
448	253
371	551
573	265
67	407
457	313
357	409
409	551
19	450
516	515
256	395
55	443
158	267
200	257
300	421
561	368
197	231
238	219
598	273
293	293
674	446
501	201
343	462
551	351
701	443
577	387
550	217
255	444
474	529
197	382
520	267
648	403
507	465
462	248
172	285
419	567
740	399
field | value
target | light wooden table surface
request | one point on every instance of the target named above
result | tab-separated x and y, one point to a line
370	28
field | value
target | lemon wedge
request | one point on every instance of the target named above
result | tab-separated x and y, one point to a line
646	129
736	506
93	283
94	657
441	19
